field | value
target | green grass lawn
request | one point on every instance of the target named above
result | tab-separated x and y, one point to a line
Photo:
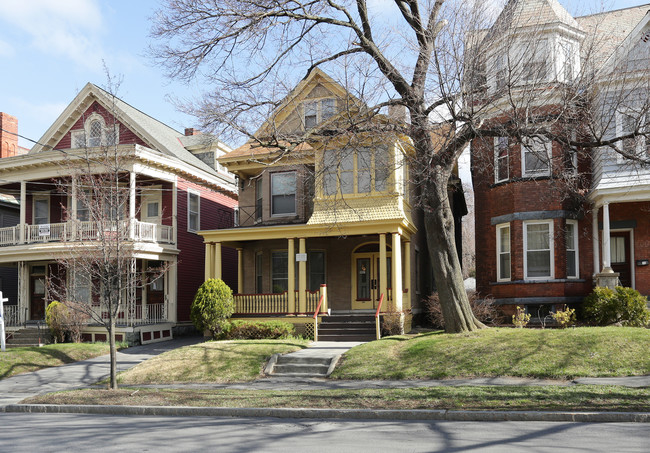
543	353
22	360
573	398
213	361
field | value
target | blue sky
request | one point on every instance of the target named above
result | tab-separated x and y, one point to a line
50	49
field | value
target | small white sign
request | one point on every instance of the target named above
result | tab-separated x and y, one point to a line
44	230
301	257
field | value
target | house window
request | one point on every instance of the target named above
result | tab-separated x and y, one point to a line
316	261
283	193
279	272
81	286
193	211
370	165
630	123
568	58
95	133
258	199
83	205
503	252
500	71
501	159
318	111
535	64
617	249
536	157
538	249
258	273
41	210
572	270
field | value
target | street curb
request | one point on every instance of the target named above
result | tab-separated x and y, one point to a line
367	414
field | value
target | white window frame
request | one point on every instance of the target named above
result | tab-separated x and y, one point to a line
499	228
498	158
534	55
547	144
568	58
80	138
574	225
641	147
295	195
551	249
190	194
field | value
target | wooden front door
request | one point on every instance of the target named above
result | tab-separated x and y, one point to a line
366	279
620	254
37	297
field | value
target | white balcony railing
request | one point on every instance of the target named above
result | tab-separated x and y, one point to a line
147	314
86	231
13	315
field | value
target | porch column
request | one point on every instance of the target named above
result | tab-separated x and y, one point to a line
406	302
131	205
23	210
383	272
302	277
175	211
172	285
291	276
217	261
594	239
397	271
209	260
72	220
240	271
607	259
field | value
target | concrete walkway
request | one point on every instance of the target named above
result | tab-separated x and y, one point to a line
81	374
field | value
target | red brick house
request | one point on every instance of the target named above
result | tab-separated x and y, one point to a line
175	189
536	247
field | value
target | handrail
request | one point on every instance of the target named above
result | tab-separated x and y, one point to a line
381	299
320	302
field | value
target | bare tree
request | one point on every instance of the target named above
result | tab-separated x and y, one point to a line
436	58
97	274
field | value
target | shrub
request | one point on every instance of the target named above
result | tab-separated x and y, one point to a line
55	315
521	318
564	317
624	306
65	320
484	309
257	330
212	305
391	323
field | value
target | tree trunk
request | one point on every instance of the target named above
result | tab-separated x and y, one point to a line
111	336
439	226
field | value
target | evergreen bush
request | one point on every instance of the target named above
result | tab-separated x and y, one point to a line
624	306
213	304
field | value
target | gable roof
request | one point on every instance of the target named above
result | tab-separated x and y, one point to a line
522	13
154	133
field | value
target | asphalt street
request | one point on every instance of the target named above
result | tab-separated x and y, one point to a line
109	433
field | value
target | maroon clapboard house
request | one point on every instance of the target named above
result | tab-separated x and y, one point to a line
175	188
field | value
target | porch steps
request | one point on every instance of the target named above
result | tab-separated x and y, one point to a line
29	336
296	366
347	327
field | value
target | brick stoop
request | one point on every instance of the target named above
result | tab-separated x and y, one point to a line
347	327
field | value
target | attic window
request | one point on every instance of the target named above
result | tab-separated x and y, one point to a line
318	111
95	133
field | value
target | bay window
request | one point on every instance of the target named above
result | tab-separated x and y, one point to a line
503	252
538	249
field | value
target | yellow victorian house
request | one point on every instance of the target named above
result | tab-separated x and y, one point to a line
330	216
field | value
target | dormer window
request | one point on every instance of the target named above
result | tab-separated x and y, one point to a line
95	133
318	111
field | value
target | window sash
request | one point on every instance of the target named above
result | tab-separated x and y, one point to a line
536	158
193	206
258	198
41	211
279	272
501	159
572	265
503	251
538	243
316	261
283	193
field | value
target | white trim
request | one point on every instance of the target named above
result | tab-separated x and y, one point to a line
190	193
574	224
538	142
509	252
551	245
295	195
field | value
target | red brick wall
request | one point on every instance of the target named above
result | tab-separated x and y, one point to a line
216	212
8	135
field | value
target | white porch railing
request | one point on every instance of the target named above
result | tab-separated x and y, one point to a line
147	314
266	304
86	231
13	315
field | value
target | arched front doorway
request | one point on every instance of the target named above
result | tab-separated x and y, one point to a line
366	282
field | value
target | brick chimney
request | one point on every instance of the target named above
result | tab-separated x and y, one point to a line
8	135
191	131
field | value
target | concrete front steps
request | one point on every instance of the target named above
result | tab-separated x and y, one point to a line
316	361
28	336
357	327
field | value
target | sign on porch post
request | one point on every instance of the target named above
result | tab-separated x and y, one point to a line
3	346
